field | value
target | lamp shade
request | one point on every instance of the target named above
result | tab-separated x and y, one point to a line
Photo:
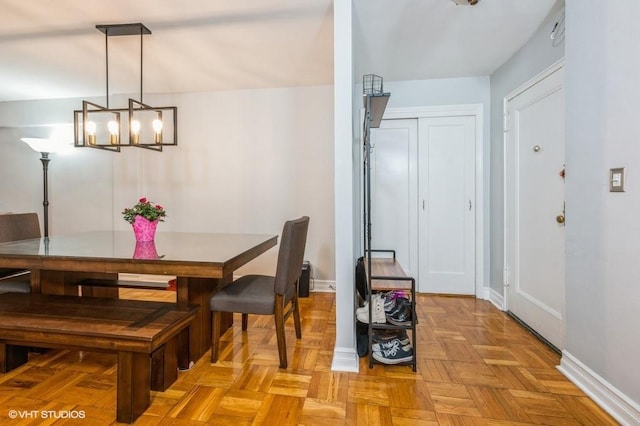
42	144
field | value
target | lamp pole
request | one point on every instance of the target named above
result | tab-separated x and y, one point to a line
45	180
44	147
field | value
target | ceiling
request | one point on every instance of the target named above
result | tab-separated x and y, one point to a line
51	48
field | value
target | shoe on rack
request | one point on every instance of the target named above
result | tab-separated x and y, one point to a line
395	355
364	307
398	304
381	336
390	299
377	347
401	316
377	313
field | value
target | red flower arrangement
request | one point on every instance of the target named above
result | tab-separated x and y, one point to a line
146	209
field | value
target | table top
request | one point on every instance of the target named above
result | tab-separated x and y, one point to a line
119	251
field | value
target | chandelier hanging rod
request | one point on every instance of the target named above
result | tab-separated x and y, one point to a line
123	30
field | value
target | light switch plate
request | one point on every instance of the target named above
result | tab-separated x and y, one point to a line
616	180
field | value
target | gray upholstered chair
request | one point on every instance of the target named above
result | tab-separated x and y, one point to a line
14	227
266	295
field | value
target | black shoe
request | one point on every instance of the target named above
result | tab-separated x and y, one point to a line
402	316
395	355
400	302
381	336
377	347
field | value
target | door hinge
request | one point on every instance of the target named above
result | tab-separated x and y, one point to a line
505	277
505	127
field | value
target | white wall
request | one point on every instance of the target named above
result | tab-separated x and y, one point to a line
532	58
245	162
602	231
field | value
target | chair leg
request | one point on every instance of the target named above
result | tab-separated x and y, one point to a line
282	341
245	321
296	315
216	318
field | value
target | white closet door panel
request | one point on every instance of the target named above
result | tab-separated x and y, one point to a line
393	189
447	217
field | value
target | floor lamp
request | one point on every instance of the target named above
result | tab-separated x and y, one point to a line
44	147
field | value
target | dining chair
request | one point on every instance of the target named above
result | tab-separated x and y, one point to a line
266	295
15	227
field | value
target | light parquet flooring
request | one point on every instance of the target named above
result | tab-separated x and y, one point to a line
476	366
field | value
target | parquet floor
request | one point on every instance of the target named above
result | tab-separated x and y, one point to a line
476	367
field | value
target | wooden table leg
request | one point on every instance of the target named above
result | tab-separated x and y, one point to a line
52	282
12	356
134	386
35	281
198	291
183	349
164	365
74	277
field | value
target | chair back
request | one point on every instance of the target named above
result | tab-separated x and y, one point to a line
291	254
19	226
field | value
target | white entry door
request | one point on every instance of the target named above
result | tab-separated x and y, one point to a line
393	189
446	229
534	206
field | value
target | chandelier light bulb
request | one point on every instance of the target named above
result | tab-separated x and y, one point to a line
91	132
135	131
135	127
113	127
157	128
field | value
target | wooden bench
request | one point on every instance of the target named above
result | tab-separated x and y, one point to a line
387	274
150	338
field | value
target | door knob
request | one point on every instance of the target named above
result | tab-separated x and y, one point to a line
560	218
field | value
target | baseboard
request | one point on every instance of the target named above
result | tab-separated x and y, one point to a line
346	360
323	286
482	292
496	298
614	402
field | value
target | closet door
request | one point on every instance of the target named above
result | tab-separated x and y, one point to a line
394	190
447	209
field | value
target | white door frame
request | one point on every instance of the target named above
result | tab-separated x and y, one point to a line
475	110
533	81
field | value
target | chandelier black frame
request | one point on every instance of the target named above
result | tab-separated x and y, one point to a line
162	122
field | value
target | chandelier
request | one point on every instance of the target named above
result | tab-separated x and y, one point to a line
138	124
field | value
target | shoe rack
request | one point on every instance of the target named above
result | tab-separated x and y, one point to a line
383	272
386	275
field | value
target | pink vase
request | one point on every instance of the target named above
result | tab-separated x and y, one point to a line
145	250
144	229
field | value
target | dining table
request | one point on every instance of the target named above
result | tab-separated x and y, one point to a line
201	263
